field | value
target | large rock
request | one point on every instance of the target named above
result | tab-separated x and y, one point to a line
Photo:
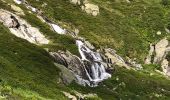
72	62
160	50
91	9
115	59
21	28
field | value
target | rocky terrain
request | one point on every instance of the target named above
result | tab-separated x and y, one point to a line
84	49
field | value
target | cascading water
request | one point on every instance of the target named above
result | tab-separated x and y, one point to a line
91	61
97	71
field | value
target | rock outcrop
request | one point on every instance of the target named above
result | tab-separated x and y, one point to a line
158	53
21	28
70	61
67	76
90	9
86	6
114	58
161	50
118	60
89	70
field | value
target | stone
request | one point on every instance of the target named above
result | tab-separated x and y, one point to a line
134	64
160	50
70	61
115	59
89	45
148	59
91	9
81	96
165	67
167	30
76	31
21	28
17	9
159	33
70	97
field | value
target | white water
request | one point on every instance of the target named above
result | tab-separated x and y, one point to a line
58	29
98	72
18	1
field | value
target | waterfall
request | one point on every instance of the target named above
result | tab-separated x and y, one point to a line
94	71
97	71
58	29
18	1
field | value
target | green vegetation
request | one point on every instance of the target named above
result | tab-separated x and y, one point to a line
25	66
129	84
27	71
57	42
126	27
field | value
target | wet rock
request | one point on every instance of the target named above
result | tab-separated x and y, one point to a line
89	70
72	62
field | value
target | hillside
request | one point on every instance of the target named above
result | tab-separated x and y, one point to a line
43	67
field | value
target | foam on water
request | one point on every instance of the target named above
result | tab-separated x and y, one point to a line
97	71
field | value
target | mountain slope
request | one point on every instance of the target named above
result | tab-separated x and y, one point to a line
28	72
27	67
127	27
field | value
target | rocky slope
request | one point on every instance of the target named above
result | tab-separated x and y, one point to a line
53	51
